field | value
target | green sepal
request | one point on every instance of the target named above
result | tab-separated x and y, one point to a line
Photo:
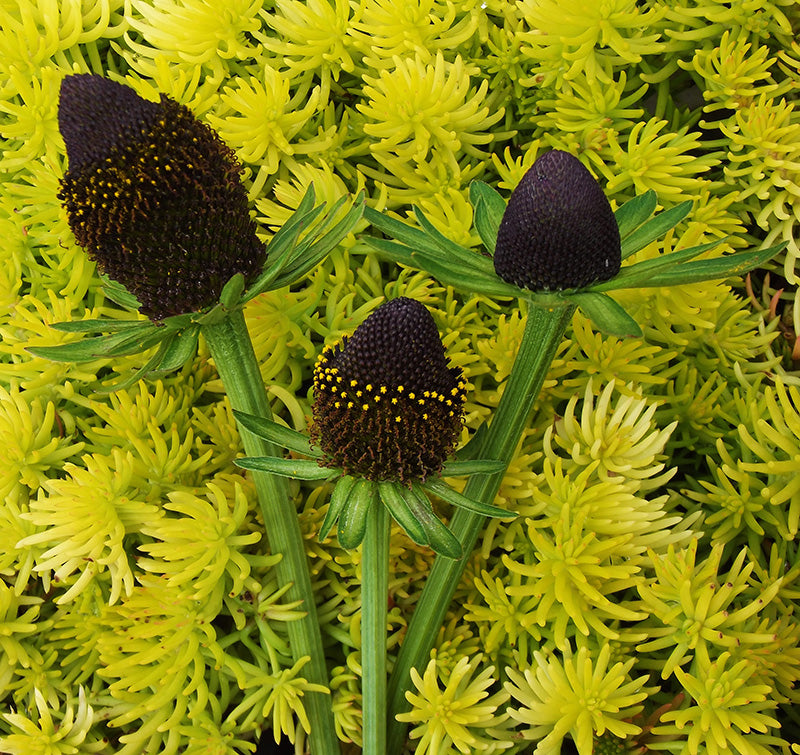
120	295
635	212
489	208
353	518
719	268
446	493
179	350
317	244
638	274
280	435
654	228
130	340
607	315
439	536
97	326
463	278
394	498
341	492
449	249
141	372
232	292
461	467
472	449
298	469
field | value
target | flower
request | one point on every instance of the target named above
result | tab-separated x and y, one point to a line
559	229
387	405
154	196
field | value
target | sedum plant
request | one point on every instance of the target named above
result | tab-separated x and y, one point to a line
426	105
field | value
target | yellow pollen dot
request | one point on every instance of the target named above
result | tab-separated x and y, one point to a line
400	389
359	394
377	399
350	404
365	406
427	394
368	386
338	405
440	397
394	400
421	401
424	416
353	383
412	395
398	419
383	389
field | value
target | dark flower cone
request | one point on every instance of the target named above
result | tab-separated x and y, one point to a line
154	196
387	406
558	231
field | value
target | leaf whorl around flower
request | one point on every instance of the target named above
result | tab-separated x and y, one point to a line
154	196
387	406
558	231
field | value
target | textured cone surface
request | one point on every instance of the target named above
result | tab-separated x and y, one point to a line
387	406
154	196
558	231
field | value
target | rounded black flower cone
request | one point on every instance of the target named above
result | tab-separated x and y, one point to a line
558	231
154	196
386	404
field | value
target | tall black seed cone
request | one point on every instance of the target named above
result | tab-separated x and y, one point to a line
558	231
154	196
387	406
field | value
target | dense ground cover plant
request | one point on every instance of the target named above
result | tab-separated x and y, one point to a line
653	565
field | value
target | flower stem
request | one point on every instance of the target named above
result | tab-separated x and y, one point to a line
232	351
374	610
543	331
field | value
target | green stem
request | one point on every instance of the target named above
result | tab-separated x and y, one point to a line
543	331
374	610
232	351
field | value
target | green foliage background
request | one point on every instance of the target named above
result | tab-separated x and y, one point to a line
646	596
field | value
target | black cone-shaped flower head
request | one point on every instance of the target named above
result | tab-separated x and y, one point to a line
154	196
387	406
558	231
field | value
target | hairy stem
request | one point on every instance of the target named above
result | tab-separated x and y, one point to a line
232	351
543	331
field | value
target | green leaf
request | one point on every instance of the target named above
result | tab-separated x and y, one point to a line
98	326
606	314
122	343
301	264
353	519
280	435
395	501
632	276
446	493
472	450
729	266
462	467
654	228
178	350
142	372
232	291
298	469
115	291
465	279
136	342
452	252
635	211
489	208
341	492
439	536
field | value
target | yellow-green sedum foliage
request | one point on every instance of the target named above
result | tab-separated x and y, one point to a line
646	596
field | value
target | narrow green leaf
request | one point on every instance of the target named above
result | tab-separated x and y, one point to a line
446	493
298	469
280	435
462	467
232	291
115	291
472	450
120	343
398	230
464	279
489	208
341	492
178	350
135	343
99	326
353	519
134	377
439	536
637	274
395	501
302	264
452	252
606	314
655	228
635	211
729	266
